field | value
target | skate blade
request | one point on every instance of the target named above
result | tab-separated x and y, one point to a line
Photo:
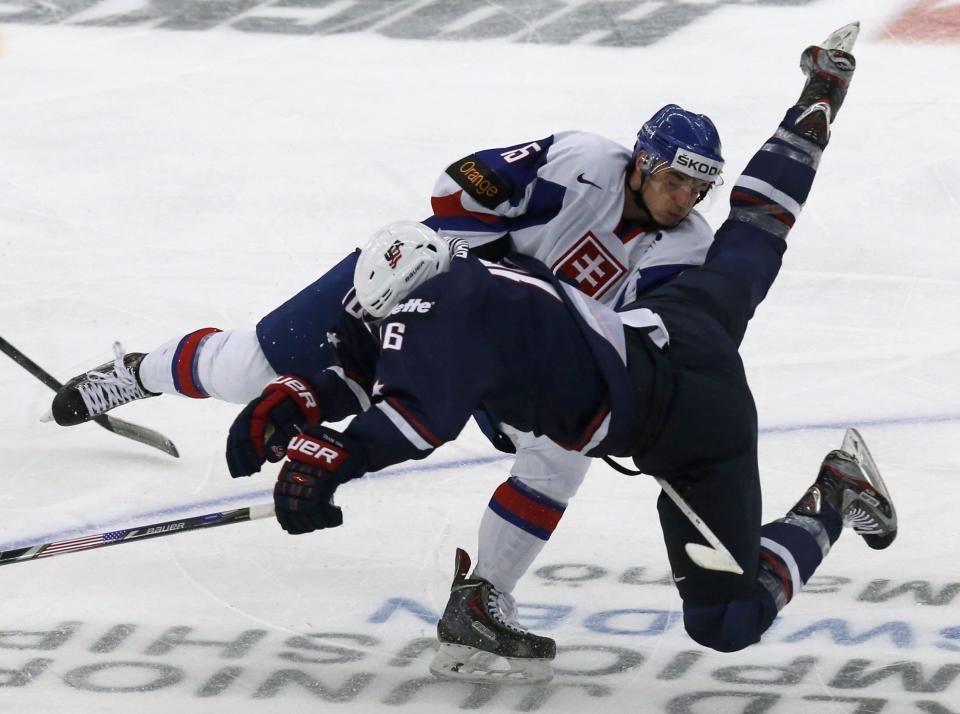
843	39
468	664
854	445
47	416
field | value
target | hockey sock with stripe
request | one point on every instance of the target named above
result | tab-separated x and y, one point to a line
514	529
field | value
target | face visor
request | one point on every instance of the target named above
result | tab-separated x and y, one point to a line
687	169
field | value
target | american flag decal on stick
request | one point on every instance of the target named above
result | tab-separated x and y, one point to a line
154	530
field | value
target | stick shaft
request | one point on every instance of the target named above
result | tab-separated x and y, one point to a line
117	426
138	533
29	365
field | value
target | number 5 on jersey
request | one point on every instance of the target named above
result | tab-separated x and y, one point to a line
393	335
521	152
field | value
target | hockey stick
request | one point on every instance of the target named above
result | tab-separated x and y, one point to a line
712	557
117	426
129	535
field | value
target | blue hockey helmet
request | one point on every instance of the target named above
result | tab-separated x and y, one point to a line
681	140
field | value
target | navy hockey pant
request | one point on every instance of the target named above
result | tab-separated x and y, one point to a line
291	335
707	448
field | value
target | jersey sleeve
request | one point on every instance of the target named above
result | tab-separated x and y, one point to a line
478	195
345	387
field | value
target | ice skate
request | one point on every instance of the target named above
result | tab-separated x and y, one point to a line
851	484
479	629
101	389
829	68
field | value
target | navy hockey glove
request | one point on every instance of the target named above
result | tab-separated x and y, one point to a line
318	461
261	431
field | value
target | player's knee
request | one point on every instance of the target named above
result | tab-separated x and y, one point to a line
727	627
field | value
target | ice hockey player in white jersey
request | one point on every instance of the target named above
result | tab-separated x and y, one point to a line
614	223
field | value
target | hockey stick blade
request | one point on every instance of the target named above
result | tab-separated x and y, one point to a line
138	533
117	426
710	557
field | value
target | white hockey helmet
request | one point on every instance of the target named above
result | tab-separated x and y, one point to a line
399	257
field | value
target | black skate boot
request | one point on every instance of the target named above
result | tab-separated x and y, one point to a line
101	389
850	482
480	621
829	68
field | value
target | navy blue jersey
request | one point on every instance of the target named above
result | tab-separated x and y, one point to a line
511	338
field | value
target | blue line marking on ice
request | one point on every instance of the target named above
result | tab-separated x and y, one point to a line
239	500
173	512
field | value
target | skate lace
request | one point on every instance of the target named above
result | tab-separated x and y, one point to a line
104	390
503	608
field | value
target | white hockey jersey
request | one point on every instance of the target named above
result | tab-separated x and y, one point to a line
560	199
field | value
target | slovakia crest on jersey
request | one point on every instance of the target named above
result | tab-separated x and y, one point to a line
591	266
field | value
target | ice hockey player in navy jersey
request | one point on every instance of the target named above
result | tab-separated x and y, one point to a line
660	381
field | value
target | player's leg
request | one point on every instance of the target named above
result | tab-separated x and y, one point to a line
707	452
233	365
729	612
227	365
846	493
526	508
768	197
480	615
291	336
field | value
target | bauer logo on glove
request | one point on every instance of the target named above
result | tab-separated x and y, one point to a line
323	453
318	461
302	391
263	429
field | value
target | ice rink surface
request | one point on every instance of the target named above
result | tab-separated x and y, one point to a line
174	165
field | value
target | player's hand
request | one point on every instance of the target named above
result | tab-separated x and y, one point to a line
318	461
261	431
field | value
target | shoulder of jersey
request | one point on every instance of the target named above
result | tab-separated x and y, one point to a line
586	158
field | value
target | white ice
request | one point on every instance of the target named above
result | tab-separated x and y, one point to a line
155	181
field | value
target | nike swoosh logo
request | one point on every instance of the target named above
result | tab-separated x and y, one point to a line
581	179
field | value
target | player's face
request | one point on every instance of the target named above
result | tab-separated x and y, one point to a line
670	195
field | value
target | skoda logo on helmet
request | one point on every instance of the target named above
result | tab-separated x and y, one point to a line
701	167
